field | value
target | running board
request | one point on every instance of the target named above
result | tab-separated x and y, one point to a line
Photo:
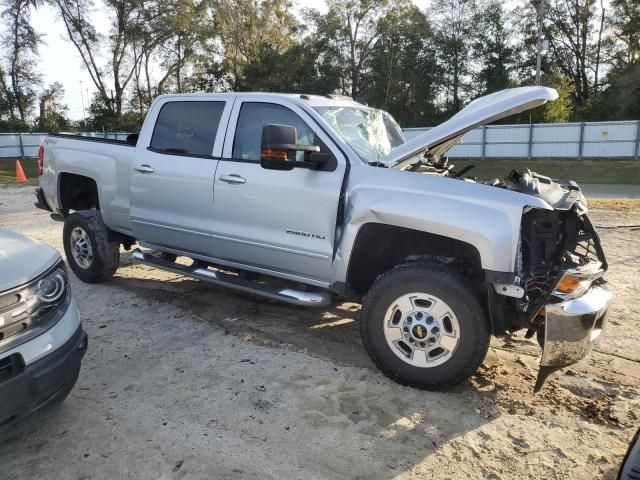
296	297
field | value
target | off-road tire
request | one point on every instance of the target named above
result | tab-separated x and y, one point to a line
455	290
106	251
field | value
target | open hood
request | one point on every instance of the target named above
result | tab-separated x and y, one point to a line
479	112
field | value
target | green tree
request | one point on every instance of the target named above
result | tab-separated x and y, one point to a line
349	31
403	74
20	47
301	69
493	49
53	112
625	23
574	31
453	29
245	27
112	78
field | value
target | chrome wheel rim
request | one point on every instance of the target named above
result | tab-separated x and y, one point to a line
422	330
81	248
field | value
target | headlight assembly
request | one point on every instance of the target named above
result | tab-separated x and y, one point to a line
28	310
52	287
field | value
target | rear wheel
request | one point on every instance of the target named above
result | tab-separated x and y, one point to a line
91	254
422	325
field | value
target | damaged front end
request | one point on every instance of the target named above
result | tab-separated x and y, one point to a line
561	265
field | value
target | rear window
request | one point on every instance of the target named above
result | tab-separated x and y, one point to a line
187	128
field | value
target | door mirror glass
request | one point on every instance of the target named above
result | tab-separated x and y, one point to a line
278	149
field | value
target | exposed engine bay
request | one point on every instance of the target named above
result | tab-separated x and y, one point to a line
552	242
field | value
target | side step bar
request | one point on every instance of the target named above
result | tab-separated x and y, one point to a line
296	297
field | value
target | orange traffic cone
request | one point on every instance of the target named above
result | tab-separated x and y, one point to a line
20	176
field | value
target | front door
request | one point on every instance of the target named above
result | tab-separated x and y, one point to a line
173	174
281	221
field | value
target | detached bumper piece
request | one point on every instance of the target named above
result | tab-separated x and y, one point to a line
572	327
23	390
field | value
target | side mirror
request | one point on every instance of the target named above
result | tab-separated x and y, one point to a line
273	152
278	147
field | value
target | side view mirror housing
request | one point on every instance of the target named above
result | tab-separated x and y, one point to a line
278	147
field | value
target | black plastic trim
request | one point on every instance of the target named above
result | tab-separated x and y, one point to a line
44	381
41	202
112	141
178	154
491	276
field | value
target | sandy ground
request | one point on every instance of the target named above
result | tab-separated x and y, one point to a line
182	380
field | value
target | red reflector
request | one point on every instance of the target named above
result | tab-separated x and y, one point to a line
40	159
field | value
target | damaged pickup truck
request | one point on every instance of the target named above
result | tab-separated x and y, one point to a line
327	195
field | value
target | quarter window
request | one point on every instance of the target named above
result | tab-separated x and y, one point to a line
254	116
187	128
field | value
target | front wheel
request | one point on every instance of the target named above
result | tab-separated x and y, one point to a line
423	326
92	255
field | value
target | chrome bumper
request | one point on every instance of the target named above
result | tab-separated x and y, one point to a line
572	328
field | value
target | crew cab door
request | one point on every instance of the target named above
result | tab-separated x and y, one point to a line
278	221
172	173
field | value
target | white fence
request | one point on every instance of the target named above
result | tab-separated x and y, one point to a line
18	145
544	140
541	140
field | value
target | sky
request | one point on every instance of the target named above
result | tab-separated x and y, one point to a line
60	62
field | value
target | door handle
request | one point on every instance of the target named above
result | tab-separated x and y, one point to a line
144	168
232	179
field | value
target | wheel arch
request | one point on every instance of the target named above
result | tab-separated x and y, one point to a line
380	247
77	192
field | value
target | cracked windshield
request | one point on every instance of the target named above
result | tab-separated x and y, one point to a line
372	133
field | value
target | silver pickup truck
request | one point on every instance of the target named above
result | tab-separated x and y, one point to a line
328	195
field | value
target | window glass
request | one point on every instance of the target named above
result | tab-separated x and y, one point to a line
187	127
254	116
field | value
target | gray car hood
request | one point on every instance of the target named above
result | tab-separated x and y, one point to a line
22	259
479	112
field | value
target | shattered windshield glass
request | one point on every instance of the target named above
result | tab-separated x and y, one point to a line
372	133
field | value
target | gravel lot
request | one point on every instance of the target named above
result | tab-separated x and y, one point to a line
182	380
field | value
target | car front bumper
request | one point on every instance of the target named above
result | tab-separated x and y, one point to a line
572	328
31	387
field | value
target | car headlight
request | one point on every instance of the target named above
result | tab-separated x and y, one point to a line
52	287
27	311
37	299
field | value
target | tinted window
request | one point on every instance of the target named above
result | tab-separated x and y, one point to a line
254	116
187	127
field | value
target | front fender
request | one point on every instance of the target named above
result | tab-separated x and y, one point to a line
485	217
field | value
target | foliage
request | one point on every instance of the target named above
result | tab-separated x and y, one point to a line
421	66
19	51
52	112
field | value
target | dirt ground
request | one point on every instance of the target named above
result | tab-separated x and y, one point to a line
182	380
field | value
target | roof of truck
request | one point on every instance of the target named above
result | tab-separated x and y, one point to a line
308	99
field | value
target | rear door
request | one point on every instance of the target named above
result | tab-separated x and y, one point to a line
280	221
173	171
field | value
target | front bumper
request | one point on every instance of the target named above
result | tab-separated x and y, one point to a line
42	382
572	328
